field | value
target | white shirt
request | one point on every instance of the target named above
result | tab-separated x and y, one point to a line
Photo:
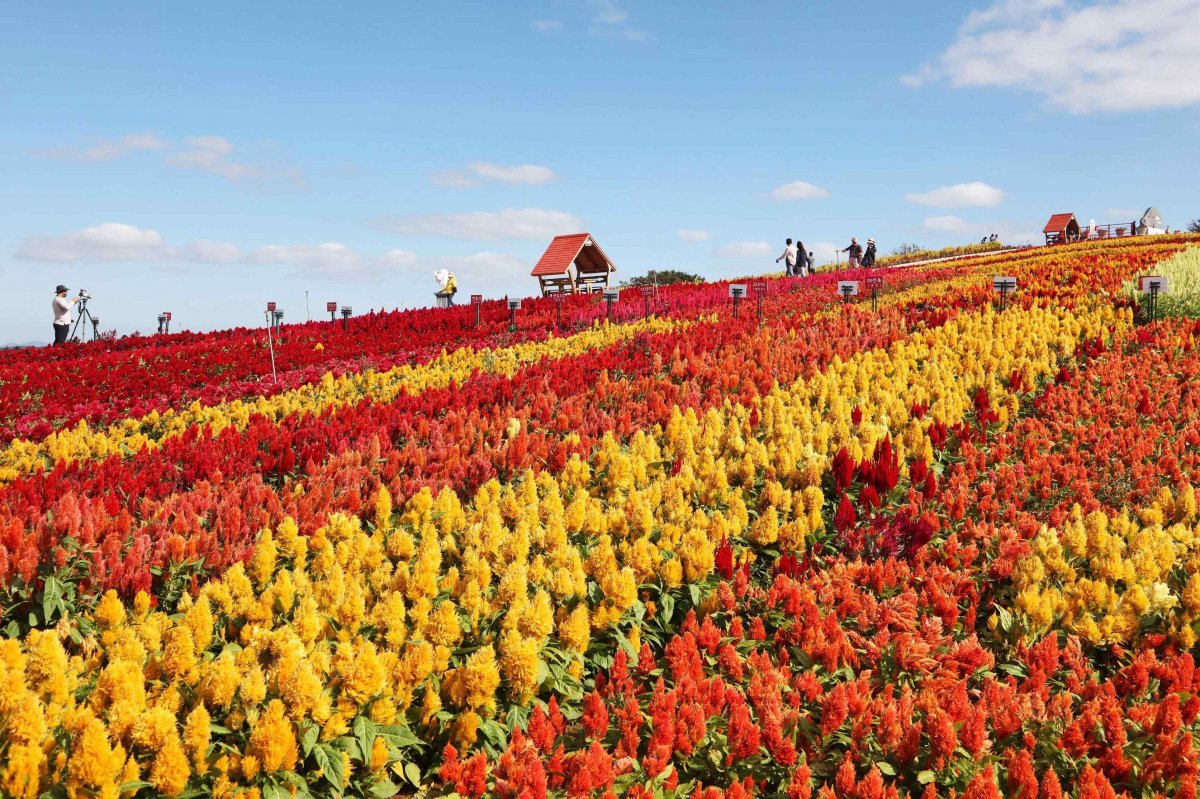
789	254
62	310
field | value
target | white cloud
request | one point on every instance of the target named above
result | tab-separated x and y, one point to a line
211	154
106	242
108	149
1121	55
526	173
608	13
961	195
453	178
693	236
337	261
745	250
212	252
1007	232
947	224
547	25
329	260
509	224
610	19
478	171
114	242
798	190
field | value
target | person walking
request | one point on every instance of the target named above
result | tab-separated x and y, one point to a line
803	262
788	258
855	251
62	314
868	259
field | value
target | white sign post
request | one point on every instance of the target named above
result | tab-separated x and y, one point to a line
513	307
736	291
1004	284
610	296
1153	285
848	289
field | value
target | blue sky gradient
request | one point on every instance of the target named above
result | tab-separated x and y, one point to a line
206	158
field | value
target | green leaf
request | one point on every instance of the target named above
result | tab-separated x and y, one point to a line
886	768
272	791
667	605
52	594
413	772
329	760
364	731
134	785
217	729
925	777
627	645
494	732
694	590
384	789
194	793
401	736
309	738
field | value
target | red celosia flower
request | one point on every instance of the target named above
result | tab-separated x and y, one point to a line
595	716
724	560
842	469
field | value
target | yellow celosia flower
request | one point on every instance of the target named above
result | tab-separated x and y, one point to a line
273	740
519	665
196	737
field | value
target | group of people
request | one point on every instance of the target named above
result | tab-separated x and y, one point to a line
799	261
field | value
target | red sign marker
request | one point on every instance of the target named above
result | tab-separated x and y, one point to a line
270	306
477	299
331	307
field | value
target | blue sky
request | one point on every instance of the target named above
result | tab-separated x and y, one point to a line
206	158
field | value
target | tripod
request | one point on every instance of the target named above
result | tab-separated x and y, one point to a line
84	313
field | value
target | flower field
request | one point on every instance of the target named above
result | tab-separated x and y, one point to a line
937	550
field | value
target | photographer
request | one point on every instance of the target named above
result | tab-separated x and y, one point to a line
62	314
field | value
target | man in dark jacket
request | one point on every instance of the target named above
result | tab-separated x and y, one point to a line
855	249
868	259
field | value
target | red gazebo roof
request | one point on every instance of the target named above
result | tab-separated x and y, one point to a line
572	248
1058	223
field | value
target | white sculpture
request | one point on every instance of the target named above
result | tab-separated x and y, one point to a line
1151	223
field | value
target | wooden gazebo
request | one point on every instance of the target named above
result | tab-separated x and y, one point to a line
1061	229
579	250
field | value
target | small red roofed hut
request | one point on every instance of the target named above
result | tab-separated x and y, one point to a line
579	250
1061	229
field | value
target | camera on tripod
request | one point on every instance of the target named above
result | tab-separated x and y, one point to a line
86	316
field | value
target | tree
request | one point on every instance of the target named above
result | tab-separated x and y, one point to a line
1194	226
662	277
906	249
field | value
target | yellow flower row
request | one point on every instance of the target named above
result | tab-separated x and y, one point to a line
132	435
456	606
1105	579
